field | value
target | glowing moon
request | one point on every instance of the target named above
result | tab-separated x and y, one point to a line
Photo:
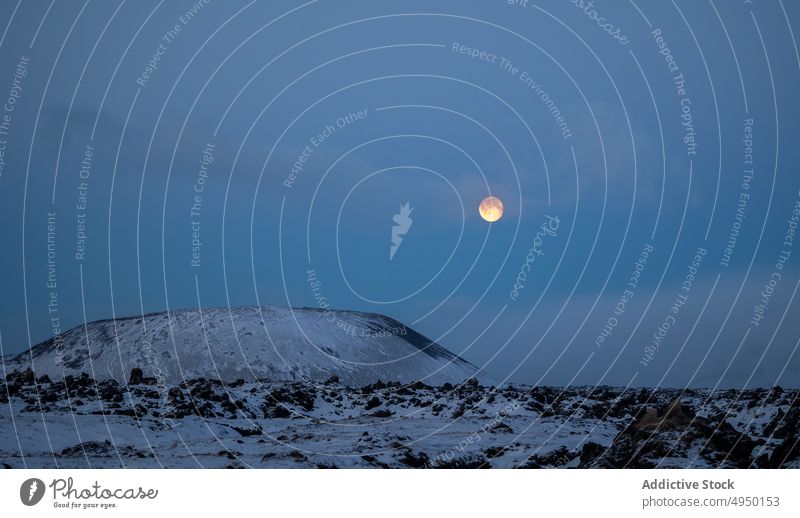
491	209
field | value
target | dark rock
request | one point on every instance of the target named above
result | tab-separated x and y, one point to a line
278	412
735	446
229	406
763	461
16	380
228	453
109	390
297	394
555	459
501	428
136	376
590	452
297	456
50	396
79	384
771	429
88	448
248	432
494	451
412	460
206	390
369	389
372	403
534	406
789	425
786	451
25	377
458	412
382	413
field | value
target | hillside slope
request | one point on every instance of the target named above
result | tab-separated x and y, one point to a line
270	343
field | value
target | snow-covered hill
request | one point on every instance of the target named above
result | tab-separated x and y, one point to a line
267	343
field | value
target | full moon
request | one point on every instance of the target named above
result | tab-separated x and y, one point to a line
491	209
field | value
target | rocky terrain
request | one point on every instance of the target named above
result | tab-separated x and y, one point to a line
80	422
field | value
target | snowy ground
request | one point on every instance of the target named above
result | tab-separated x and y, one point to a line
203	423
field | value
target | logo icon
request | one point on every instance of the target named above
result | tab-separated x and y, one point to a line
403	222
31	491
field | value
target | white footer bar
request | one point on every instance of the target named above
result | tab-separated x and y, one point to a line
368	493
